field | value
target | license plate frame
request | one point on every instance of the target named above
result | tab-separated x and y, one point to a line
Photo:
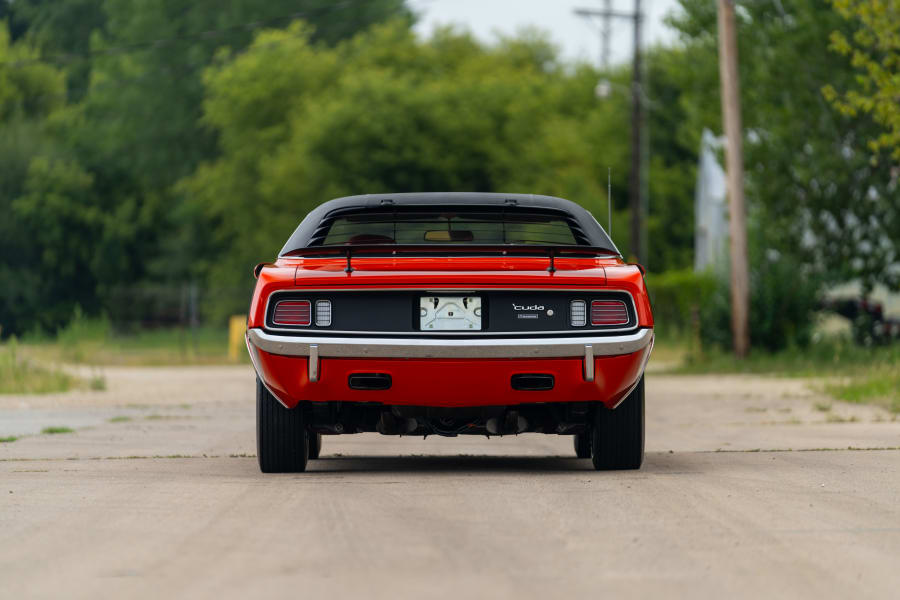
450	313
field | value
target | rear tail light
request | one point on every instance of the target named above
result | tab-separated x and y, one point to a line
578	313
323	313
292	312
608	312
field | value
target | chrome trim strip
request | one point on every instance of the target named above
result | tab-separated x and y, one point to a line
254	360
313	362
643	368
588	362
412	347
588	329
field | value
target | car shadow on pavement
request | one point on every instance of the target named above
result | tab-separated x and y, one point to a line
661	462
443	463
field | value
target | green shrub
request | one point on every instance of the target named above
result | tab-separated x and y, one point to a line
677	298
82	336
19	375
783	300
81	329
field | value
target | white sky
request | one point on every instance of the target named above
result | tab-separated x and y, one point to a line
576	37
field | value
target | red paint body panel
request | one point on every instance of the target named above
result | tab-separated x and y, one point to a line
457	382
452	272
451	383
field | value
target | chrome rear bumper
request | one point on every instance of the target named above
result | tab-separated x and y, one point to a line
317	347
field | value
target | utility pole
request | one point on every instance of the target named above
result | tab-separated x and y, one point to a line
635	180
634	187
734	159
606	34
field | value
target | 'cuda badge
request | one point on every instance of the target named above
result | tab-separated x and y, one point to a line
523	307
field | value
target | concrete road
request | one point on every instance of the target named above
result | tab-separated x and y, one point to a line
748	490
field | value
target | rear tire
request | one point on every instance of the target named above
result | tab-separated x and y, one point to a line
583	444
617	441
282	444
315	445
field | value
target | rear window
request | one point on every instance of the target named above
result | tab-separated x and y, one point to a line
448	227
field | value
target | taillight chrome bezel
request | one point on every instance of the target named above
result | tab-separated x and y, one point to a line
295	309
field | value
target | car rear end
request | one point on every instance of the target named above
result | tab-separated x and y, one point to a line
455	334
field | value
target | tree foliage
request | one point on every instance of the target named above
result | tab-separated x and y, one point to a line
874	49
810	185
100	106
164	142
300	123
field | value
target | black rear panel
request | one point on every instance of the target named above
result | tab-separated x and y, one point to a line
503	312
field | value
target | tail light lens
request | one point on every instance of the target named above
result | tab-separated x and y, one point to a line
608	312
323	313
292	312
578	313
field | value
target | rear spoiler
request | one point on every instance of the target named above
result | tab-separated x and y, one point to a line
551	251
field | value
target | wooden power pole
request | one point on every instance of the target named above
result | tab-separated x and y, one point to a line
734	159
635	178
635	197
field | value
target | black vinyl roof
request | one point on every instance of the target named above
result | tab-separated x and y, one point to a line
589	232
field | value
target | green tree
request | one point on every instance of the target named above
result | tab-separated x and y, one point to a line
198	134
140	124
874	49
61	31
300	123
810	185
133	75
63	223
29	92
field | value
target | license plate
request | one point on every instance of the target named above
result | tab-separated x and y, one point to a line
450	313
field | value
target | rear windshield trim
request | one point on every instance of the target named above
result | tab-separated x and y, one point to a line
588	233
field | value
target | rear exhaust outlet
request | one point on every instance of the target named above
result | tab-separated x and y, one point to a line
369	381
532	382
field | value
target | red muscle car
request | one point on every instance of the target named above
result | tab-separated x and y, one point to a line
449	314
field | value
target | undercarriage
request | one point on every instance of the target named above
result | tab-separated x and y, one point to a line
358	417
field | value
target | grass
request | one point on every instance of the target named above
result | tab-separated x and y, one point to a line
8	439
56	430
878	385
94	342
158	417
119	419
852	373
19	375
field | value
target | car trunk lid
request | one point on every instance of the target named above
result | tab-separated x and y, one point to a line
476	271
